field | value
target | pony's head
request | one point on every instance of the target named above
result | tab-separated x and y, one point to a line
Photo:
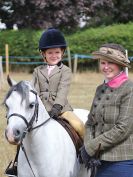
21	110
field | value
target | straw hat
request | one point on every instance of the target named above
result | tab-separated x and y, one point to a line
112	52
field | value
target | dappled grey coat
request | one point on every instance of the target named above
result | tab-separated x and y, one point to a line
110	123
53	89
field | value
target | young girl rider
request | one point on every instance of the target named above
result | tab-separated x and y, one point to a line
52	79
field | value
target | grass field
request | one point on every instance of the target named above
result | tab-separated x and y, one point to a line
80	96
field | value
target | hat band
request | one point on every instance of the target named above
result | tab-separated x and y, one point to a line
114	53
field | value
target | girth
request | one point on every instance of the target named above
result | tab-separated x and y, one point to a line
77	140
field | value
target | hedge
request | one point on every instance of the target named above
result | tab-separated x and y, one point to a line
84	42
25	42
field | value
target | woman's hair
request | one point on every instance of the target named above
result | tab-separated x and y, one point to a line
115	46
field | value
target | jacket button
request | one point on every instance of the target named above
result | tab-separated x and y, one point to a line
96	123
99	98
107	98
95	105
102	91
45	98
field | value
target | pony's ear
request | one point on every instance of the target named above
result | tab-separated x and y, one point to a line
10	81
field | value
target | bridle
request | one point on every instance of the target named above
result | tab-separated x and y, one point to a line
34	117
29	125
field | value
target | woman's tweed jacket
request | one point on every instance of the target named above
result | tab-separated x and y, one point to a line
110	123
53	89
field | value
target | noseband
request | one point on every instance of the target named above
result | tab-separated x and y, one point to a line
34	117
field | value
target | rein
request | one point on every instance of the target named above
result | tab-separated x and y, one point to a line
29	127
23	149
22	146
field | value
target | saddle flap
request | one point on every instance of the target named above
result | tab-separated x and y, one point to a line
77	140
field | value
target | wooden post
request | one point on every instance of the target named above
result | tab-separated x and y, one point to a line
69	58
1	73
126	68
7	58
75	63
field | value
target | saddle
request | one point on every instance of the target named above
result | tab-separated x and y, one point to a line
76	138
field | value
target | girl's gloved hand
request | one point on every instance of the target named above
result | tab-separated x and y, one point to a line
55	111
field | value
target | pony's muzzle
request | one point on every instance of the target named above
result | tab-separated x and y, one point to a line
13	136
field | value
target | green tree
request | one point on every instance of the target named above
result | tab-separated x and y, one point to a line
6	13
64	14
40	14
108	11
123	11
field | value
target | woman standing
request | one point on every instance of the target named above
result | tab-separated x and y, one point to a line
109	128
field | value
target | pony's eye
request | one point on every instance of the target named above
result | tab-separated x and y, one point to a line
31	105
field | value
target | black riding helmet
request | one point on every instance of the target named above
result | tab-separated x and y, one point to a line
52	38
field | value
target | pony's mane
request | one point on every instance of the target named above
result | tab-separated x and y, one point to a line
22	88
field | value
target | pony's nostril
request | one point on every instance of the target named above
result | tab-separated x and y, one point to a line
16	133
